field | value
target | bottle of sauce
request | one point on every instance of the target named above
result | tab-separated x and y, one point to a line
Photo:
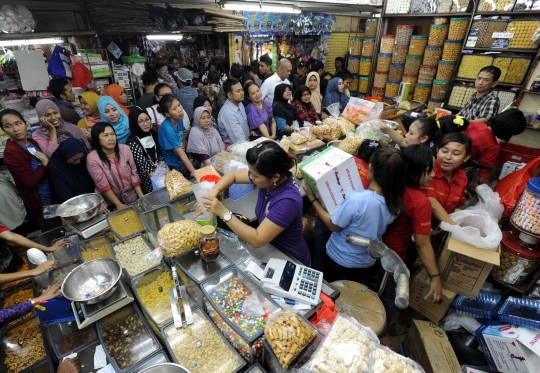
208	243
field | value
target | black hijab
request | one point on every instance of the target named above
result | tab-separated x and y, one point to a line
298	95
281	107
139	133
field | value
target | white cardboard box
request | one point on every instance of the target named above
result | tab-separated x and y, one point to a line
467	369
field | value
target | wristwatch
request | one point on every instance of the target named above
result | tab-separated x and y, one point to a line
227	217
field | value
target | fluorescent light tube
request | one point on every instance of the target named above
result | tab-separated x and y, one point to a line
164	37
265	7
8	43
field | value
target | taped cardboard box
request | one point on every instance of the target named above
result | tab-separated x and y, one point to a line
428	345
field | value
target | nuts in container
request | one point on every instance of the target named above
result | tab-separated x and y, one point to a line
354	84
354	64
130	254
392	88
412	64
432	54
125	222
434	104
486	29
380	78
523	33
418	44
387	43
396	71
371	27
458	28
445	70
383	61
368	47
495	5
471	64
23	346
451	50
399	53
176	184
365	66
179	237
437	34
297	138
421	92
355	46
95	248
363	84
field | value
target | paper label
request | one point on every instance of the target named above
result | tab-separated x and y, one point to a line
100	360
72	356
503	35
473	38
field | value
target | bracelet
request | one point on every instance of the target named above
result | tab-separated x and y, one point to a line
313	200
33	302
433	276
217	189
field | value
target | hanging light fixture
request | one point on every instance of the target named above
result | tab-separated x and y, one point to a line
259	7
10	43
164	37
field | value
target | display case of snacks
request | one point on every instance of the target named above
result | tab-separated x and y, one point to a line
19	293
398	6
86	358
126	338
160	197
423	6
471	64
506	98
495	5
225	295
156	218
200	346
513	70
461	93
23	346
523	33
96	248
485	28
50	237
130	254
66	337
125	222
437	35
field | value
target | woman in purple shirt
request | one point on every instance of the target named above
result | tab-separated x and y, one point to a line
14	312
259	113
279	204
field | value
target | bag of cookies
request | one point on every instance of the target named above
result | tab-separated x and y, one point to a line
287	334
179	237
177	185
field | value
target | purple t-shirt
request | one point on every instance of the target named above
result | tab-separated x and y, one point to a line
257	116
282	205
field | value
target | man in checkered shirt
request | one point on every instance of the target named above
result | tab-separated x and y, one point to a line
484	104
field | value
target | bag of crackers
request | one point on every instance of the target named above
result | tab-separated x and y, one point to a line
177	185
287	334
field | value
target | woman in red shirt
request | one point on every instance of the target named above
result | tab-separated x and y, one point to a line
423	131
304	111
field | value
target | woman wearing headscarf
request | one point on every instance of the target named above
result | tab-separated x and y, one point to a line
53	130
144	145
204	140
118	93
89	105
313	82
205	101
68	175
304	110
283	111
113	114
335	93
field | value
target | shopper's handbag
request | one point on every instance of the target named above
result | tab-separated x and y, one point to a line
128	194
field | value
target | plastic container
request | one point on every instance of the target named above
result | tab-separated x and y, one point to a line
403	34
16	295
445	71
526	215
484	306
383	61
86	358
377	91
520	311
95	248
23	346
355	46
412	64
50	237
371	27
399	53
158	217
157	358
396	71
365	66
354	85
368	47
434	104
380	78
432	54
437	34
426	74
452	50
353	64
440	89
363	84
421	92
125	222
126	337
391	89
486	28
518	259
417	46
66	337
239	191
201	347
410	78
130	256
387	43
458	28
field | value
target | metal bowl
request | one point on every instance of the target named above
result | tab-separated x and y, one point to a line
81	208
93	281
165	368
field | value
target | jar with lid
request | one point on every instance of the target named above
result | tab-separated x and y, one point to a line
418	44
353	64
377	91
399	53
440	89
458	28
412	64
451	50
445	70
387	43
392	88
410	78
437	34
363	84
396	71
365	66
208	243
432	54
368	47
371	27
355	46
383	61
434	104
403	34
380	78
426	74
421	92
440	20
354	85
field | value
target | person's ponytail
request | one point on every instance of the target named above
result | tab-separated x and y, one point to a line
389	167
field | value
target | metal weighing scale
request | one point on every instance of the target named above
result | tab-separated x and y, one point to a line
89	228
86	314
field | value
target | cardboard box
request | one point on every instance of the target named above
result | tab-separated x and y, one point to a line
419	289
332	176
467	369
510	348
428	345
464	267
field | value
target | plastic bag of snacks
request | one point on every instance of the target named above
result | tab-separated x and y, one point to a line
314	144
346	125
358	111
333	109
351	144
382	360
287	334
297	138
320	131
179	237
370	130
177	185
219	161
208	170
285	143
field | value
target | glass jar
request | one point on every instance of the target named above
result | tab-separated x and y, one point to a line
377	91
418	44
380	78
355	46
353	64
392	88
396	71
437	34
399	53
354	84
403	34
409	78
412	64
451	50
426	74
440	89
421	92
458	28
365	66
387	43
371	27
434	104
208	243
363	84
445	71
368	47
432	55
383	61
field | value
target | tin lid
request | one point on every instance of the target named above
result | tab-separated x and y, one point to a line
365	59
389	36
419	37
440	26
405	26
435	100
410	56
423	85
397	65
512	244
448	41
208	230
369	40
372	19
211	178
444	62
441	81
401	46
459	19
364	77
433	47
351	58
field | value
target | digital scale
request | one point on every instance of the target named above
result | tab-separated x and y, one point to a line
293	281
86	314
89	228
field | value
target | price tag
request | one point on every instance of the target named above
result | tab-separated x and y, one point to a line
503	35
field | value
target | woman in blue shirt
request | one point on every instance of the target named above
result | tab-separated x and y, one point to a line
171	136
283	110
111	113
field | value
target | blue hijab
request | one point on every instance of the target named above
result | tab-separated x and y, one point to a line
332	95
122	126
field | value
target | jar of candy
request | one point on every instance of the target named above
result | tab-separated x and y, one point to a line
368	47
451	50
208	243
396	71
412	64
354	64
383	61
365	66
371	27
445	70
437	34
355	46
458	28
363	84
392	88
387	43
399	53
440	89
380	78
418	44
432	54
421	92
403	34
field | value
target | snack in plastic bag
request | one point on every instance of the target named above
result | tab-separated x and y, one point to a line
333	109
330	121
335	132
176	184
285	143
314	144
179	237
356	113
287	334
474	227
208	170
320	131
346	125
383	360
220	160
297	138
351	144
371	130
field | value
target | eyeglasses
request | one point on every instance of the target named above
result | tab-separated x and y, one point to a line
144	121
164	94
306	95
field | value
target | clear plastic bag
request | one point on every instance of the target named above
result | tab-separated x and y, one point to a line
177	185
359	111
154	257
489	201
231	246
333	109
455	321
49	211
252	306
474	227
382	360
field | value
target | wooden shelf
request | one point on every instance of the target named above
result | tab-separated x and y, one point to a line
506	14
502	50
427	15
531	93
500	83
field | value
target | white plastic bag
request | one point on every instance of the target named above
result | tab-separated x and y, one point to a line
489	201
474	227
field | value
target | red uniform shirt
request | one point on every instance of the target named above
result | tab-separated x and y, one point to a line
363	170
485	148
449	194
414	219
3	229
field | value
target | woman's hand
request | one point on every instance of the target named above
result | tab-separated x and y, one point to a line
49	293
307	189
42	157
435	289
120	206
44	267
213	206
69	366
383	126
60	244
104	208
44	122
